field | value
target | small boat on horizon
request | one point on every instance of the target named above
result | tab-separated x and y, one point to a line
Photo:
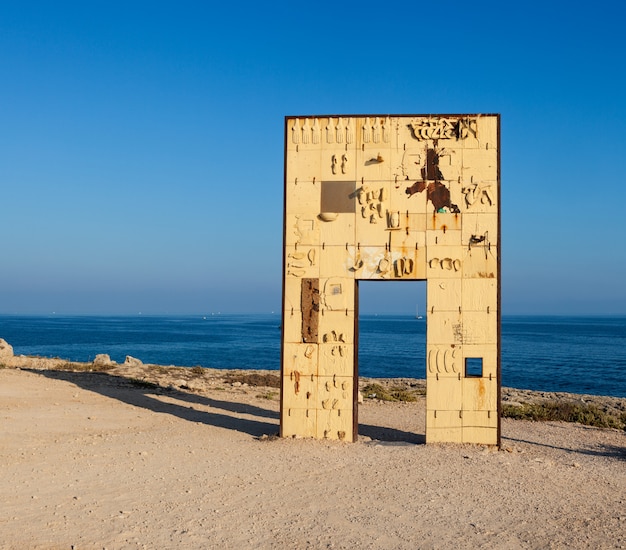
417	313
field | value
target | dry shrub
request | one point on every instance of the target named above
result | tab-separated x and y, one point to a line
254	379
83	367
377	391
589	415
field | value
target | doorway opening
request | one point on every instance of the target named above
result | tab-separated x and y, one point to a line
392	345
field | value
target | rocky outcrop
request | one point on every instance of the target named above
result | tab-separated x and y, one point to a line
102	360
6	349
132	361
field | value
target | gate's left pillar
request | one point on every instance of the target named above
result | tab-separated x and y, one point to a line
318	394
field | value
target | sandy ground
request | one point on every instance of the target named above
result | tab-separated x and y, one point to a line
93	460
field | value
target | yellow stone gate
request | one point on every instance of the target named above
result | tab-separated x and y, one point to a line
387	197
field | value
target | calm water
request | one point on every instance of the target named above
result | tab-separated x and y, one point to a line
574	354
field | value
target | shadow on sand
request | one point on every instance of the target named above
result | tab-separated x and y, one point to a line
391	436
147	396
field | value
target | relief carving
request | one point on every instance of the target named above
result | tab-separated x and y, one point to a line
403	266
316	132
445	264
330	131
295	131
444	128
478	193
372	203
306	131
376	130
444	361
367	130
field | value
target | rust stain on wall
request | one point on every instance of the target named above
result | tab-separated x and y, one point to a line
310	306
437	193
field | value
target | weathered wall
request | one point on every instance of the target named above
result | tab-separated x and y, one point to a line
391	197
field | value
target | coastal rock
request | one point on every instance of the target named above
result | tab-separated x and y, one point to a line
132	361
102	360
6	349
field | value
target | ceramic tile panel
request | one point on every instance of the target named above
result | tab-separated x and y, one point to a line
444	294
336	358
480	394
479	435
487	132
336	261
479	165
335	392
335	424
338	163
480	196
479	328
437	434
298	422
480	262
300	358
336	326
302	196
407	263
299	391
410	244
292	288
444	327
407	162
304	167
374	164
480	229
395	198
302	230
444	394
337	230
301	261
292	326
373	217
479	295
443	427
337	294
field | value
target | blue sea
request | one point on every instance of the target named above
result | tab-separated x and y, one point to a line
571	354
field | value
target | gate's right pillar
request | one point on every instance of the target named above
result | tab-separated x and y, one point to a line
463	294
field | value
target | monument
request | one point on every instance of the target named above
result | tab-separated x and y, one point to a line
391	197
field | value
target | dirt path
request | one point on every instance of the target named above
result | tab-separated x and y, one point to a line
93	460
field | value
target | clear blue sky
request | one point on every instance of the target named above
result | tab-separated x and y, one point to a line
141	143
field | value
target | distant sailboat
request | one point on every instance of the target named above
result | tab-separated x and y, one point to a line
417	312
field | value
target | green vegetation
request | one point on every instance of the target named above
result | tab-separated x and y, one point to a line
254	379
589	415
268	395
83	367
393	393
